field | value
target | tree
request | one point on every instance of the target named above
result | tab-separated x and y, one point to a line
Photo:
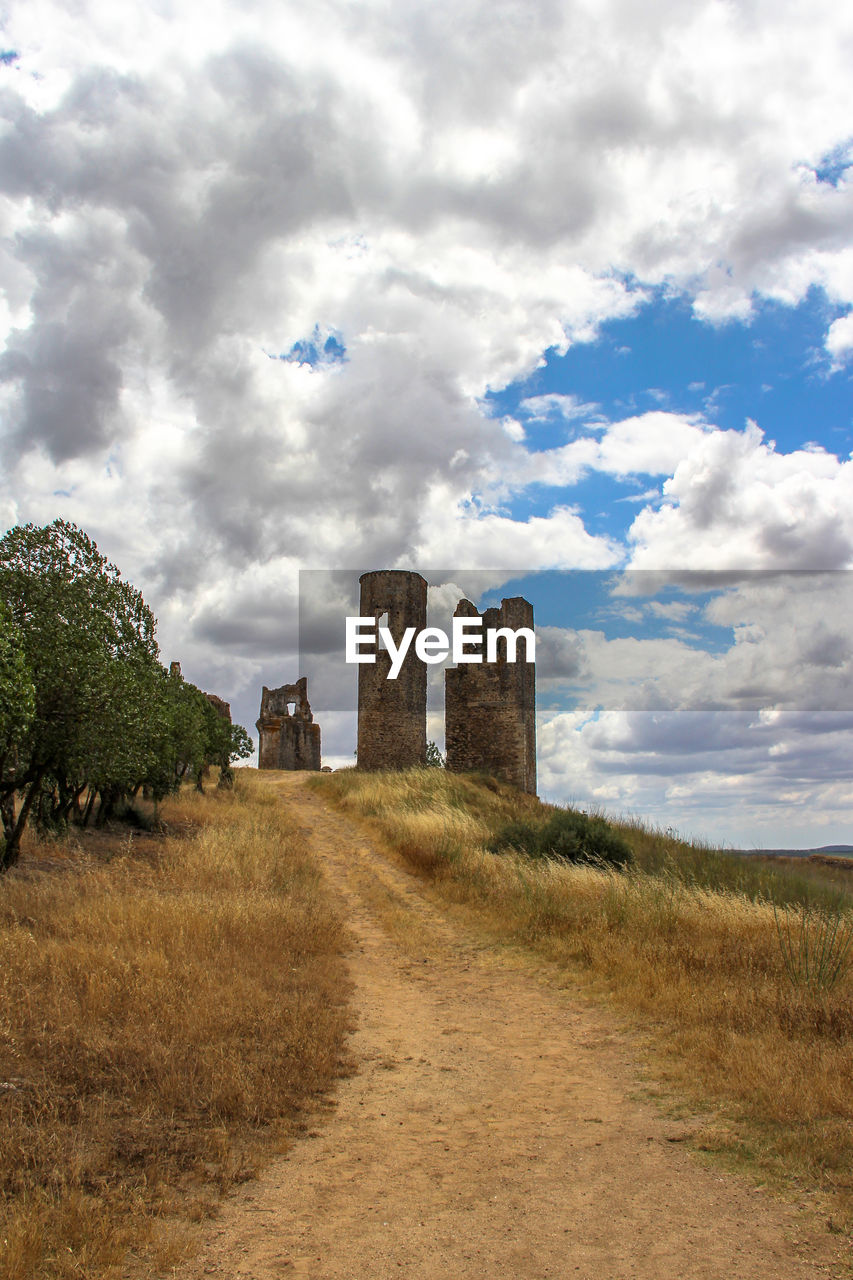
85	704
224	742
88	640
17	707
240	747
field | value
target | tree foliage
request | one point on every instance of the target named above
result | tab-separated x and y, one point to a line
87	712
17	694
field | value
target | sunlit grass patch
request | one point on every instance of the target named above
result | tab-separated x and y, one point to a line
165	1019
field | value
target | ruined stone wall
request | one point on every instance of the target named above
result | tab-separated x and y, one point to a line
288	736
490	707
392	713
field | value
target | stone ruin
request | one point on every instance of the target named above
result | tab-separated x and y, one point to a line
392	713
490	707
288	736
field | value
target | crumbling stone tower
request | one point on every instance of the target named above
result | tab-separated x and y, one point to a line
289	739
392	713
490	707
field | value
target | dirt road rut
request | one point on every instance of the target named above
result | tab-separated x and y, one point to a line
492	1128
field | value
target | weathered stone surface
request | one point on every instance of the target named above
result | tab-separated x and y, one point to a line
288	737
392	713
490	707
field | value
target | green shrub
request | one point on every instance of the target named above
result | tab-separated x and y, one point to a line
567	835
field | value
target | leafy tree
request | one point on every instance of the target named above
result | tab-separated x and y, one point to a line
434	758
17	695
84	703
89	643
224	742
17	706
240	747
187	730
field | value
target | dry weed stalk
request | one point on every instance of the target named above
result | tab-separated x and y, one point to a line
815	945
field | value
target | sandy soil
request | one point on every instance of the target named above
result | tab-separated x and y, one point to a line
494	1127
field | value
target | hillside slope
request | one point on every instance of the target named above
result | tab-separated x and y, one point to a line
493	1126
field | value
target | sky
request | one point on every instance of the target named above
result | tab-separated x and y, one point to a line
514	288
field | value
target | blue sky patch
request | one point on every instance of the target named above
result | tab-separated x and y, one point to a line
773	369
835	163
324	347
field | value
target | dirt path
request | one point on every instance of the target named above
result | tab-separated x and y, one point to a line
491	1129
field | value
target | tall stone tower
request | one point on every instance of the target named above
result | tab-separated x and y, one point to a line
392	713
490	707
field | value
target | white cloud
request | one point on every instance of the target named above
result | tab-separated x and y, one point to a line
650	444
839	339
716	775
490	540
721	741
734	502
675	610
568	407
779	640
454	189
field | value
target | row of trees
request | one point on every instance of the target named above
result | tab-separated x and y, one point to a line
88	715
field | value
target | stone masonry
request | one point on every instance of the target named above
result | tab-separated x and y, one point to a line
490	707
288	737
392	713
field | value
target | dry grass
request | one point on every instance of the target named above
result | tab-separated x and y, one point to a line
697	962
166	1017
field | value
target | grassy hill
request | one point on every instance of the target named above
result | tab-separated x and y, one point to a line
736	971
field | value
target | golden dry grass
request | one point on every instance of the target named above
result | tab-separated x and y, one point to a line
700	968
166	1017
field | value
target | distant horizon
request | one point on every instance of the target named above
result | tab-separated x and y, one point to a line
839	849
